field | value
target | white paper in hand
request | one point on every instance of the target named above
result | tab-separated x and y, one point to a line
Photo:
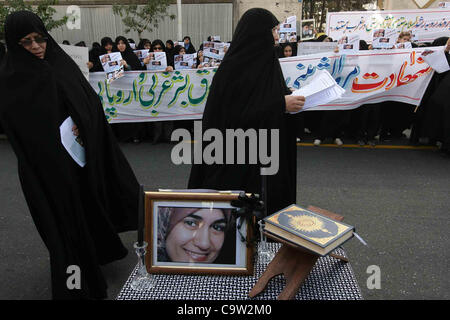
321	90
72	143
436	58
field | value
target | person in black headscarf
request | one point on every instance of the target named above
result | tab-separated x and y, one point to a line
105	47
432	119
249	92
128	131
77	210
188	45
129	59
144	44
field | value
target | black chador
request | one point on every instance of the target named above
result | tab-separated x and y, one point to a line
248	92
77	211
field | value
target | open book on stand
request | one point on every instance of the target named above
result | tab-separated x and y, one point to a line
308	230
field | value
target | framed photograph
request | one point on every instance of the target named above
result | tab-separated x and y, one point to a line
308	28
196	233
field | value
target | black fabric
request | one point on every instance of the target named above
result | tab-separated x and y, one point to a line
2	51
432	119
77	211
248	91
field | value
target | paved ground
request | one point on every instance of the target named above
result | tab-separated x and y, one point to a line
398	199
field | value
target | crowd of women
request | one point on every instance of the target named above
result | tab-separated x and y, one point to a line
368	124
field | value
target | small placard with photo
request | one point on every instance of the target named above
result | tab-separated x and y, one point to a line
184	61
349	43
111	64
308	29
158	61
384	38
288	30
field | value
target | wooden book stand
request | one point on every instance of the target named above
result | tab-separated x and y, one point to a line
292	261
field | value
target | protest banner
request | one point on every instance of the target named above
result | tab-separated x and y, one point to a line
80	55
367	77
144	96
425	24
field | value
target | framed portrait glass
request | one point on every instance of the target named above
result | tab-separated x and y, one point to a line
196	233
307	31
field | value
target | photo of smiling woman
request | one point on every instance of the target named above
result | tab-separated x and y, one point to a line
196	235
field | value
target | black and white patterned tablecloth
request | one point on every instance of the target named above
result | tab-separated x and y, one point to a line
330	279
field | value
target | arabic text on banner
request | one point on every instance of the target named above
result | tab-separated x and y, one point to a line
425	24
367	77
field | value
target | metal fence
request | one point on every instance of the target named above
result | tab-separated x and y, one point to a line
198	21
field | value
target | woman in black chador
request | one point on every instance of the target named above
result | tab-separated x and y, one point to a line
249	92
77	210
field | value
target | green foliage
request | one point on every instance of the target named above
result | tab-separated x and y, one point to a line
144	17
42	8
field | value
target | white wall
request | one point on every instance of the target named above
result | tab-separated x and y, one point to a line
199	22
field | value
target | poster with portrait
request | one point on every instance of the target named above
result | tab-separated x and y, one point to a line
384	38
158	61
111	64
215	50
185	61
349	44
196	233
308	28
288	30
141	54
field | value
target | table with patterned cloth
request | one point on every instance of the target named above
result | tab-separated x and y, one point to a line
330	279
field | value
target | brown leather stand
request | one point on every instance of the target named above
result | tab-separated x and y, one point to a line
292	261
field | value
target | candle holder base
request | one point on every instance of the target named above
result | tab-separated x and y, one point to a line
142	280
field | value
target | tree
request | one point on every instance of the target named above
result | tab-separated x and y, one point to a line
144	17
42	8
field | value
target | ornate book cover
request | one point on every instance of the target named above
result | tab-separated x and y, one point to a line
315	228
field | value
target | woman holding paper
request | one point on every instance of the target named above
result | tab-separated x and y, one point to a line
77	210
129	60
249	92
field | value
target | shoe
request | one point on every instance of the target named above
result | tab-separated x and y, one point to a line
372	143
338	142
361	142
136	140
317	142
298	140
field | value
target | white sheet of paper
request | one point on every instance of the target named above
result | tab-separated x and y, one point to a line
321	90
185	61
349	44
436	59
305	48
69	141
158	61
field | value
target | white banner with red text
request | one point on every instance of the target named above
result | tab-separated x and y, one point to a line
368	77
425	24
